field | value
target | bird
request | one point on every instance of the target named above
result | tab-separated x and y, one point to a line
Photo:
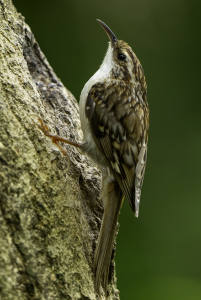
114	115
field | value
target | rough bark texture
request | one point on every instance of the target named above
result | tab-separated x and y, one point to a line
50	214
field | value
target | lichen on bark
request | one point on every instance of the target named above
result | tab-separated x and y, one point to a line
50	213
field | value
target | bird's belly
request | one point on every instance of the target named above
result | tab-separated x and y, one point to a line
86	128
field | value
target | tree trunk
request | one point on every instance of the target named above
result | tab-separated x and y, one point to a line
50	211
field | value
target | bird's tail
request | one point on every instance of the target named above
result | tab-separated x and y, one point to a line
112	201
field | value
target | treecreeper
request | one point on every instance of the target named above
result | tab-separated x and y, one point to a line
114	116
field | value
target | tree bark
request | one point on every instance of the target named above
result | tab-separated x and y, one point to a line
50	210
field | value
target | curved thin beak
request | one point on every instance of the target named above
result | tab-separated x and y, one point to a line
109	32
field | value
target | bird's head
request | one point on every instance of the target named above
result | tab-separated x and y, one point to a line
121	61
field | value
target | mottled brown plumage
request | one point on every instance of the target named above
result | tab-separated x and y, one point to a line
116	125
118	112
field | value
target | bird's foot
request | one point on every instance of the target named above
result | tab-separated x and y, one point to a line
55	138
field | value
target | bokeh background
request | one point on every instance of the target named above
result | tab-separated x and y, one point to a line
159	255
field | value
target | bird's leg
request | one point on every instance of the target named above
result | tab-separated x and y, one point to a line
55	138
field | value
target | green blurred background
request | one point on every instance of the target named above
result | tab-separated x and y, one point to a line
159	255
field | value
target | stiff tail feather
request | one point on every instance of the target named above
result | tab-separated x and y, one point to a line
107	233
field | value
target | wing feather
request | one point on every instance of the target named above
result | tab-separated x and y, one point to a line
120	137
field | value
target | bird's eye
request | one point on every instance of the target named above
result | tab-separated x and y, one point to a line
121	56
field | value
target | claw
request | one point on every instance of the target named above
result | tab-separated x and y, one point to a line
43	127
55	138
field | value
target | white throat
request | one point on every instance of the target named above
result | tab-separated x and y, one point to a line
100	75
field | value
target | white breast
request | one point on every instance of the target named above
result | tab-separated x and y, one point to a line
100	75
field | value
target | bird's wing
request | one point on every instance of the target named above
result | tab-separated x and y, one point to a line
119	126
